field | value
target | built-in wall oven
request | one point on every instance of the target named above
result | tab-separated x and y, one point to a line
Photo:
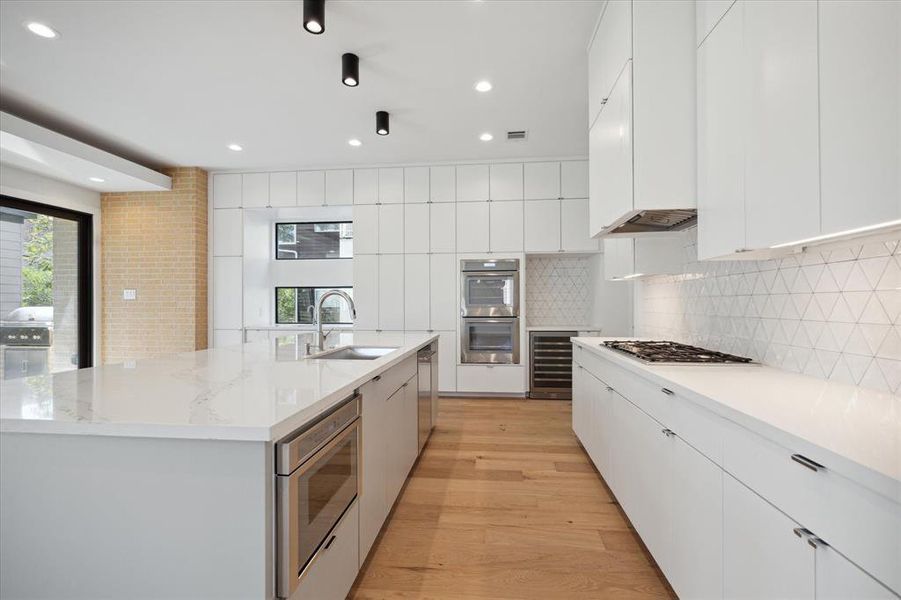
317	480
489	308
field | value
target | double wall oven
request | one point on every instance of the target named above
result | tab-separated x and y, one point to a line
489	309
317	479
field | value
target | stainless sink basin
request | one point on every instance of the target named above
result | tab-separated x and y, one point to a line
354	353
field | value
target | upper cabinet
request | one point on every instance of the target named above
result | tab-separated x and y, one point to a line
227	190
610	48
643	136
339	187
541	181
311	188
416	185
442	184
366	186
574	179
255	190
391	186
505	181
860	66
709	13
472	183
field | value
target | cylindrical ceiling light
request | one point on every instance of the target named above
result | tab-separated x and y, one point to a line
350	69
381	122
314	16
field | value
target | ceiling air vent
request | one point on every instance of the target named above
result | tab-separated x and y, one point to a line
513	136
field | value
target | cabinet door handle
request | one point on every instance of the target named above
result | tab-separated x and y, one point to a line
377	378
667	391
807	463
668	432
329	542
609	389
800	532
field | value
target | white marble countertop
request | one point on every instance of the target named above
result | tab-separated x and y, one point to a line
259	391
562	328
844	426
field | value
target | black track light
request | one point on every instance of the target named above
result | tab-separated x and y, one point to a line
350	69
314	16
381	122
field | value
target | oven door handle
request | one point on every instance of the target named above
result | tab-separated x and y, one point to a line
289	573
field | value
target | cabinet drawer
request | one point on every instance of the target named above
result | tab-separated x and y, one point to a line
491	379
859	523
332	572
390	381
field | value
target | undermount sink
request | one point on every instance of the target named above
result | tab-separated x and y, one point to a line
355	353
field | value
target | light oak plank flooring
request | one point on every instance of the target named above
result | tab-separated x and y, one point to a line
504	503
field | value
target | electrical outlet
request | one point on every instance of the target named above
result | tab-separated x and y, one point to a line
129	294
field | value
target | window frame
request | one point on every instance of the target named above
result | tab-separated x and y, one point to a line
275	239
344	288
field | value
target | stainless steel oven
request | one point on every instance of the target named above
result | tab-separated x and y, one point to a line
491	341
489	288
317	480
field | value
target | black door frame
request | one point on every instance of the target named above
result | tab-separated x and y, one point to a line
85	223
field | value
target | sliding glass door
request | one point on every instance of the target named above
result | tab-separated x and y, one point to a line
46	301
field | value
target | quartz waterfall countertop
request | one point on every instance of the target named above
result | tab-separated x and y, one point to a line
846	425
259	391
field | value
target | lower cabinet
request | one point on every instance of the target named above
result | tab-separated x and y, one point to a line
491	379
334	568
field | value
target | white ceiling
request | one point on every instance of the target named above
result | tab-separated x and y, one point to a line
172	83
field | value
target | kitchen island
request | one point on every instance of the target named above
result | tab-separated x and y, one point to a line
156	478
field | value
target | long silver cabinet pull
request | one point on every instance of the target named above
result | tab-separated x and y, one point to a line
806	462
329	542
801	532
610	389
668	432
667	392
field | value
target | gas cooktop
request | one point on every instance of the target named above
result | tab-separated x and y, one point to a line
672	352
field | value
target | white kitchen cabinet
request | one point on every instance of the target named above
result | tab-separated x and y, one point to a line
610	148
416	292
839	579
708	14
442	184
283	189
762	556
472	226
447	361
580	404
650	255
619	258
311	188
339	187
366	290
416	184
228	231
505	181
410	427
391	186
227	190
444	305
366	186
574	179
541	224
574	227
416	228
442	227
610	48
860	112
782	193
227	337
391	292
721	135
492	379
541	180
391	229
333	570
227	292
505	226
255	190
472	183
366	229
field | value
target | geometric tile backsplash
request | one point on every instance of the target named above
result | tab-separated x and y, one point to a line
834	314
558	290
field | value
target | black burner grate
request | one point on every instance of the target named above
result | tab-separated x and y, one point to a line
672	352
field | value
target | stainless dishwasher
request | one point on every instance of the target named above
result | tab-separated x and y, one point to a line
550	364
427	362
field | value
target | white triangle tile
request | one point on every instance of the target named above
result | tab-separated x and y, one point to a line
826	283
857	364
814	330
790	311
874	249
841	332
873	378
814	369
803	357
801	302
802	339
827	341
827	360
811	257
840	272
891	302
812	274
892	246
856	301
891	277
873	312
841	312
826	302
842	254
856	343
873	268
891	371
857	280
891	345
874	335
841	373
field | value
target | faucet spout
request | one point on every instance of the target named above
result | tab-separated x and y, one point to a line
319	305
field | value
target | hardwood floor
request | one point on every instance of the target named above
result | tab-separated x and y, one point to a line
504	503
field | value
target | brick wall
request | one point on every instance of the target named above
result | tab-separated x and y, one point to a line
155	243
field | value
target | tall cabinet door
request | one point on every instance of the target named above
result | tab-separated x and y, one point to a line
391	292
782	190
860	112
762	556
574	226
721	154
366	229
366	291
610	153
416	292
505	224
444	303
472	226
541	224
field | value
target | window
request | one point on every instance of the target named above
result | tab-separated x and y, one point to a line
309	241
297	305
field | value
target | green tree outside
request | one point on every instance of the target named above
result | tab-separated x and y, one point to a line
37	263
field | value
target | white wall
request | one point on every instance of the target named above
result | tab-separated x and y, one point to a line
36	188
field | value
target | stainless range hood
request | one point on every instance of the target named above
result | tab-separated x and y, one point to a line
664	220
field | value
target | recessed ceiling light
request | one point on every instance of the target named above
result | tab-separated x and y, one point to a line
483	86
39	29
486	137
97	179
235	147
354	142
